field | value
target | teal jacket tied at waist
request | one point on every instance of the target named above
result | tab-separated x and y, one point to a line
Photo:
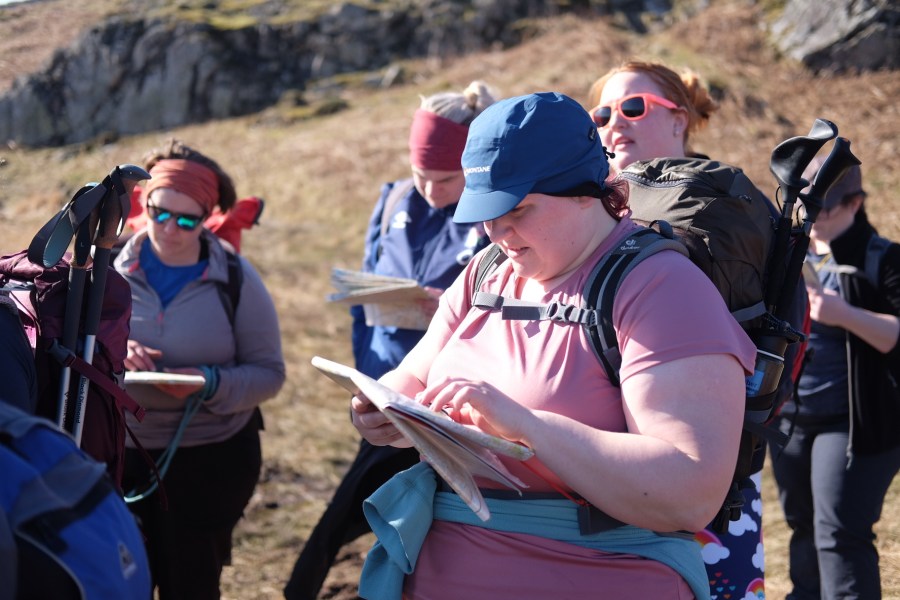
401	511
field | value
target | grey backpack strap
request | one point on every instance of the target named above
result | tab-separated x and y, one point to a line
603	285
748	313
520	310
398	192
230	290
493	258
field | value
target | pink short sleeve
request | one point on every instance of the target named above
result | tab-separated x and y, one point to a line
668	309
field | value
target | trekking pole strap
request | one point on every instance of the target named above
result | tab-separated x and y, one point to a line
770	434
50	243
67	358
751	312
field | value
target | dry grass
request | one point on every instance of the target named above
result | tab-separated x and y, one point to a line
321	176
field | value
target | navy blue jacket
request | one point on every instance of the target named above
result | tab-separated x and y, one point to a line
422	243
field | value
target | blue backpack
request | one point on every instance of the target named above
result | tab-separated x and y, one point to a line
64	530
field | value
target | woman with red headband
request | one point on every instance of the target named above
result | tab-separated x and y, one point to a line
411	234
204	436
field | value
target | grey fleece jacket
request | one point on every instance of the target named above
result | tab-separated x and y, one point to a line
194	330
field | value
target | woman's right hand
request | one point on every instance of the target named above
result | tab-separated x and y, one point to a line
373	425
141	357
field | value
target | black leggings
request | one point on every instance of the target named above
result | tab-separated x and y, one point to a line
207	488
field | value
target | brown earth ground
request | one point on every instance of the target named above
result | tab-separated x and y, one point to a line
320	177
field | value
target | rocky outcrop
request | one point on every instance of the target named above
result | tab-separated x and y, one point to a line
125	77
840	35
131	76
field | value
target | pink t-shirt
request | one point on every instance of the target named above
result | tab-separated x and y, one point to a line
666	309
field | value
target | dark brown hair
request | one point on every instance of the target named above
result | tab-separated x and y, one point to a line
613	194
174	148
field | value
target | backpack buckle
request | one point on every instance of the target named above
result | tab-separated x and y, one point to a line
567	313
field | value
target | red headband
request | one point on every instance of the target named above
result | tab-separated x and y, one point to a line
435	142
187	177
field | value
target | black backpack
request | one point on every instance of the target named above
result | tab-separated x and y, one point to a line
712	213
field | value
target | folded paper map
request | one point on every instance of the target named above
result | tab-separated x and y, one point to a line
456	451
387	301
810	276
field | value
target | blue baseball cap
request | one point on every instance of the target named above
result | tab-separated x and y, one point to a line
540	143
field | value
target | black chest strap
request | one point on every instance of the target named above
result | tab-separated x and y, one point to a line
599	294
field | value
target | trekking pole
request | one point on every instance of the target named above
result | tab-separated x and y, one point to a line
77	218
839	160
789	160
113	211
72	315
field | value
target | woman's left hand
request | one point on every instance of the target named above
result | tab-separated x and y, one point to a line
181	391
482	405
826	306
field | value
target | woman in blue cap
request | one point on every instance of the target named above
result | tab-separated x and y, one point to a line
648	462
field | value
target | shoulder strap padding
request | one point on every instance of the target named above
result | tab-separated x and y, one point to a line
397	193
230	291
875	250
492	258
603	283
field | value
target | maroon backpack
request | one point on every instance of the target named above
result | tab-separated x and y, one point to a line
70	309
42	303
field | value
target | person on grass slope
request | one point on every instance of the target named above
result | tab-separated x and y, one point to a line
646	110
411	234
180	324
844	450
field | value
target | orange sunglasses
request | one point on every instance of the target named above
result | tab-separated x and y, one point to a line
634	108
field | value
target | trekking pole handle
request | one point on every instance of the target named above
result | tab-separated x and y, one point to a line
789	159
839	160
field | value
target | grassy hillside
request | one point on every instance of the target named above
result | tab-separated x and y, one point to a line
320	177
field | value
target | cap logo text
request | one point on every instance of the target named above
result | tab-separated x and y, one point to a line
484	169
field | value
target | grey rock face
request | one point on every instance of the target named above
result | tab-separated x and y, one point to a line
840	35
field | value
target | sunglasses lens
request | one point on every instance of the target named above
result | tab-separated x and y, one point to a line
188	223
160	216
633	108
602	116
